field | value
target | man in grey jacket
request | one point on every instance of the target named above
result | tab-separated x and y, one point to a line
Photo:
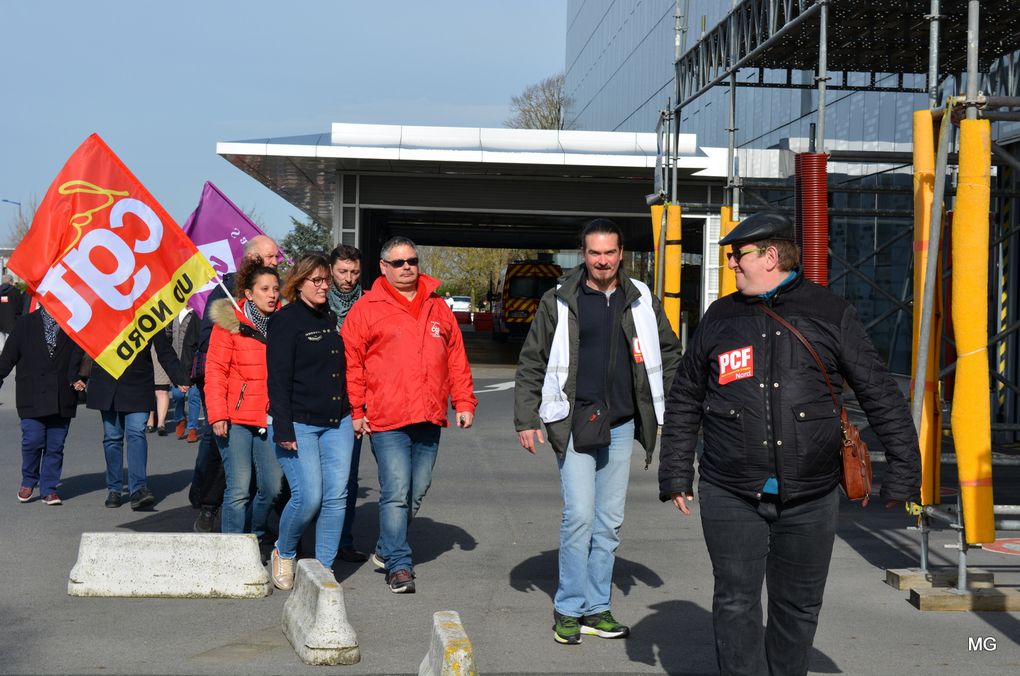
599	343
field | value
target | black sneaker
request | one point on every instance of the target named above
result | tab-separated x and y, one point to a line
142	498
400	582
603	625
114	499
567	629
204	520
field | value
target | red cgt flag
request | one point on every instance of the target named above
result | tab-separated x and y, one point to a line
105	259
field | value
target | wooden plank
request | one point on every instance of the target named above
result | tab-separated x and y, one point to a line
915	578
999	599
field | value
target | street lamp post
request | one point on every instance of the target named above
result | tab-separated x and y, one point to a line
17	204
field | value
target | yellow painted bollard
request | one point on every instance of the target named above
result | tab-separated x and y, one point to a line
673	262
930	432
971	419
727	279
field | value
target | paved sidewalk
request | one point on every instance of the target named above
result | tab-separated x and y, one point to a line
485	545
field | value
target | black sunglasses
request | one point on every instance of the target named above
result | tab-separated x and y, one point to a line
737	255
399	263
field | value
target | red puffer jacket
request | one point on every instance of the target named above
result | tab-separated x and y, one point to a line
402	370
235	369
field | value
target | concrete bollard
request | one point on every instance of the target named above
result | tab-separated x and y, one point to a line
450	652
315	618
169	565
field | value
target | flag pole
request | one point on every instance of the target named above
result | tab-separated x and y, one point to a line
219	280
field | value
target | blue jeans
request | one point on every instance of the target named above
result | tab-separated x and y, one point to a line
42	452
116	426
405	457
594	488
240	513
317	474
788	546
177	399
346	534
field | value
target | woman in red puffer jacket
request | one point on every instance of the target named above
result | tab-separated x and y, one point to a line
237	399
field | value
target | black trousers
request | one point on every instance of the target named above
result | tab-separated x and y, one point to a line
788	546
208	482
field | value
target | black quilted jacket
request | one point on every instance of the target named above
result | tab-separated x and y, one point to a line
763	404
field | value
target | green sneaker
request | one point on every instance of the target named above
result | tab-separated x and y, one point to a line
603	625
567	630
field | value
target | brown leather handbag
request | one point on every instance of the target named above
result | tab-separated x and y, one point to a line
856	476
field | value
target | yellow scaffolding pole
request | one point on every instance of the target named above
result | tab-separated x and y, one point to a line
971	419
672	260
929	433
727	278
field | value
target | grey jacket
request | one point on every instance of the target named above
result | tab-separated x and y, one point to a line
535	357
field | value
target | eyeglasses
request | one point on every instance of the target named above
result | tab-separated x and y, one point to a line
399	263
740	253
318	281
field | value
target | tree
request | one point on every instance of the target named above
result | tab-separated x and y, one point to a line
467	271
307	237
539	106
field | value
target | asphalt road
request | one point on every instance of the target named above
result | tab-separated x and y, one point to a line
484	545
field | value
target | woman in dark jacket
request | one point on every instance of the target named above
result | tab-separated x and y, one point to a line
47	377
125	403
311	416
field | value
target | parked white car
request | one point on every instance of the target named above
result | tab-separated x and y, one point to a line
460	303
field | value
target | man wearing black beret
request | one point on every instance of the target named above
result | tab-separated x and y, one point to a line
770	469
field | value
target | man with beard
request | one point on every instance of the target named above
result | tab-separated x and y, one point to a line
600	346
345	268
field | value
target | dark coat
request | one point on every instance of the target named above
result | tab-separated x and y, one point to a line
11	306
764	407
534	360
135	389
43	383
307	374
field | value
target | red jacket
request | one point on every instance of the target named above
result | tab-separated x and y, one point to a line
402	370
235	361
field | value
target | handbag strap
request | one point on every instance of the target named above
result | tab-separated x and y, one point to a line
772	313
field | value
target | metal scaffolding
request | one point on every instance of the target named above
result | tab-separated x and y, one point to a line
937	39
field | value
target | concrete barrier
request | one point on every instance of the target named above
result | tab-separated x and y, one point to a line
315	618
169	565
450	652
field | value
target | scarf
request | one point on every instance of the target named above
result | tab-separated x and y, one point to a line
50	328
413	306
340	303
255	316
555	404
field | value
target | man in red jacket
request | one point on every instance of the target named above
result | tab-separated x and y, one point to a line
405	361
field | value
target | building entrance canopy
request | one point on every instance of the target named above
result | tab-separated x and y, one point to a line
470	186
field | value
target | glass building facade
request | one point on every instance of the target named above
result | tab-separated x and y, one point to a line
619	75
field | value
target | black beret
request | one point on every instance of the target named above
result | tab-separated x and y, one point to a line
761	226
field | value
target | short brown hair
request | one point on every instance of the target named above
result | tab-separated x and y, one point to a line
304	267
789	252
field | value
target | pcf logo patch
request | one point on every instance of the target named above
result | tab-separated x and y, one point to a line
736	364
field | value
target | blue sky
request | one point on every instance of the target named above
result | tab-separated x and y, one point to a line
162	82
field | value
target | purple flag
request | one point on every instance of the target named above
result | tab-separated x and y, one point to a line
220	230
